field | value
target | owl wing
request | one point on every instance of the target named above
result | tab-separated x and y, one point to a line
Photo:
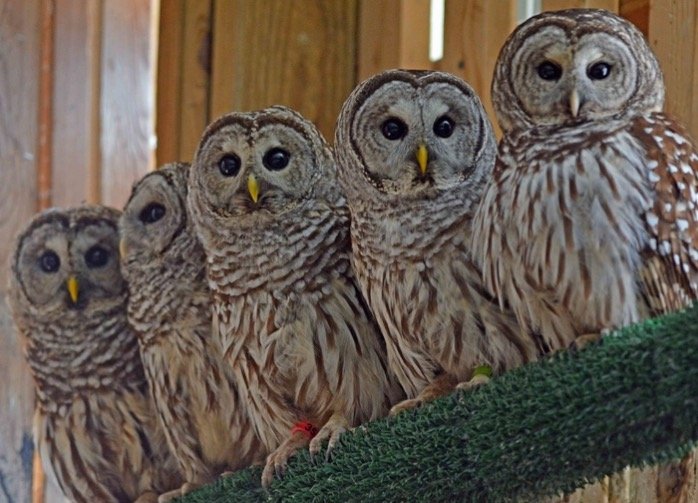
669	273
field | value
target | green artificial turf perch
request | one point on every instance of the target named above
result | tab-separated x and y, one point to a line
552	426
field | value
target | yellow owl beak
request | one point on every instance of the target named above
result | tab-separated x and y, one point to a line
253	187
73	288
423	158
123	251
574	103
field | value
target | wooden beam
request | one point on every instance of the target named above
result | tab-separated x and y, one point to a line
20	43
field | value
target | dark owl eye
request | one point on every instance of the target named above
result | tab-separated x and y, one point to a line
152	213
599	71
394	129
229	165
96	257
443	127
548	70
276	159
49	261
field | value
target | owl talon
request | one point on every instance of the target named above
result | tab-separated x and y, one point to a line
584	340
332	430
409	404
474	382
277	461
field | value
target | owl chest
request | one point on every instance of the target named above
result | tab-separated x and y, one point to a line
578	220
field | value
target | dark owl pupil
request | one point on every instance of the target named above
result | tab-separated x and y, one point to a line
229	165
49	261
276	159
394	129
599	71
152	213
96	256
548	70
443	127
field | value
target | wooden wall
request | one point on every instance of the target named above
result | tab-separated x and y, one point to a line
77	124
93	93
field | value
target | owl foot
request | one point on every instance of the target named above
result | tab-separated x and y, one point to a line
584	340
277	461
442	385
176	493
474	382
332	430
147	497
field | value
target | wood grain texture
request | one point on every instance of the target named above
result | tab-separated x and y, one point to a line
169	80
19	94
392	34
474	32
673	34
611	5
300	54
76	105
129	44
637	12
195	76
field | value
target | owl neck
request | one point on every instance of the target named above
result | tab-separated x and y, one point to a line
165	290
282	254
412	229
79	356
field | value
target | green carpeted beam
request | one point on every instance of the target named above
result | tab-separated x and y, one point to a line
538	430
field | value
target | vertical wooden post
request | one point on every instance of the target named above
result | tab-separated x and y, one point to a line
673	34
127	103
20	46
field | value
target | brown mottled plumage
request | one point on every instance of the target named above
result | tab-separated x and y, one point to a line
94	425
291	320
591	222
170	309
414	151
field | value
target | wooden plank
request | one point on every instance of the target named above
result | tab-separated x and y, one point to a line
223	74
20	30
392	34
169	80
76	104
378	38
300	54
637	12
195	76
673	34
129	44
414	26
474	32
611	5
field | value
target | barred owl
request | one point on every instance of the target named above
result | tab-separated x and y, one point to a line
590	222
94	426
290	319
414	151
169	307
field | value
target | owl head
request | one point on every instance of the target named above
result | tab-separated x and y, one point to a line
258	166
413	135
566	67
66	263
154	221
